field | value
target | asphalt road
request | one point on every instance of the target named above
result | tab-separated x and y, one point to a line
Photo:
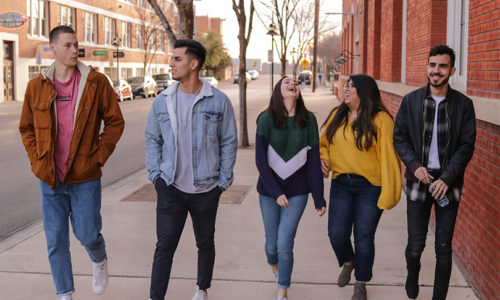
19	189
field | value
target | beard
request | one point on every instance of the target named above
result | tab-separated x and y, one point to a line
438	84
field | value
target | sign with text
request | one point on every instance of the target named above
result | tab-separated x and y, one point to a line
12	19
118	54
81	52
99	52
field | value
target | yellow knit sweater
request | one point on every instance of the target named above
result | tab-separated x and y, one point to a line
380	165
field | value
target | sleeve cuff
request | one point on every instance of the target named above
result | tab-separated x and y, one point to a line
413	166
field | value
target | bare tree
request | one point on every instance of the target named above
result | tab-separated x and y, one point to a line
304	23
148	36
283	10
186	19
244	38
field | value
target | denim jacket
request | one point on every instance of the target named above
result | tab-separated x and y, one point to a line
213	137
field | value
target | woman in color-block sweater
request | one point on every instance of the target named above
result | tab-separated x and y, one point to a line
356	145
287	157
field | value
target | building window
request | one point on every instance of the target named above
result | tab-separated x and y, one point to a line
139	37
139	72
67	16
109	30
90	26
38	14
456	38
33	71
126	35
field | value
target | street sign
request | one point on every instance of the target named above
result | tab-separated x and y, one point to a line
325	58
305	62
99	52
304	68
118	54
81	52
269	55
12	19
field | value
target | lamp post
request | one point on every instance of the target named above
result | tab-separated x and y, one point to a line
116	42
272	32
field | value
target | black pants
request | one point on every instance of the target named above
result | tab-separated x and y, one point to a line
171	213
418	214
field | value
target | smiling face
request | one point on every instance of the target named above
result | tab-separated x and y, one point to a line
290	88
351	98
439	70
65	49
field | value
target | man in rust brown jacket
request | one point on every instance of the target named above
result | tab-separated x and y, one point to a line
61	130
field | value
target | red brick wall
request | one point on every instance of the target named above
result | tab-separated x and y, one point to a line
484	49
373	38
391	34
426	27
477	231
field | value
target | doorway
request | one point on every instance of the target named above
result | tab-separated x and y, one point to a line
8	71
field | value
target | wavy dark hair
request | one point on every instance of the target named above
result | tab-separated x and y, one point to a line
278	112
363	128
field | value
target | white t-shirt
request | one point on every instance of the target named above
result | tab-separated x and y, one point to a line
433	162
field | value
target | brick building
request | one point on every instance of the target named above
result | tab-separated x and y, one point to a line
25	50
390	40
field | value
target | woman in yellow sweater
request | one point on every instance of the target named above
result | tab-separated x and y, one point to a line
356	146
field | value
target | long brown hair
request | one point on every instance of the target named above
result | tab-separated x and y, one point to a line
363	128
278	113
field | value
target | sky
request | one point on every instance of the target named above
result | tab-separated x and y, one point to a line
260	43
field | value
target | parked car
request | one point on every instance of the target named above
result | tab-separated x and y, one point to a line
213	82
123	90
111	83
143	85
163	81
305	76
237	76
254	74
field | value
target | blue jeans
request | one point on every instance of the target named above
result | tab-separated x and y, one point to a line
280	225
81	203
353	202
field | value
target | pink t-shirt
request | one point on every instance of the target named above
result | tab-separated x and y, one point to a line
67	94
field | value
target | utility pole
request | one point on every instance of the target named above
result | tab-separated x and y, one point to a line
315	53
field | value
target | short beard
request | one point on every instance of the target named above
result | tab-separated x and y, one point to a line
445	81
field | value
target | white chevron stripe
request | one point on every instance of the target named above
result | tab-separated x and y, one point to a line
286	169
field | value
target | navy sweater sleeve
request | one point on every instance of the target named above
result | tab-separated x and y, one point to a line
313	167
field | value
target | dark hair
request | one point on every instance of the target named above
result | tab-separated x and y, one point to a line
278	113
443	49
56	31
364	130
194	50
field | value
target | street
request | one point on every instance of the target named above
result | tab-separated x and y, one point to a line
19	189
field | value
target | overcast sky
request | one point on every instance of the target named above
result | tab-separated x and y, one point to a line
260	43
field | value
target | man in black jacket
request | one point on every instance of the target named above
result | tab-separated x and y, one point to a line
434	134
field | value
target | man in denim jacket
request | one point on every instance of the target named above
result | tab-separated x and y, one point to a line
190	154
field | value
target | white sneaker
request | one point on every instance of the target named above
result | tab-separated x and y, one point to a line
100	278
200	294
67	296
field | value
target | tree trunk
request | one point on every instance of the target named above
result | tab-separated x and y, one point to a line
283	65
242	82
186	18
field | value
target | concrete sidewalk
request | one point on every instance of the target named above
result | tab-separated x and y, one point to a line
240	271
11	107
